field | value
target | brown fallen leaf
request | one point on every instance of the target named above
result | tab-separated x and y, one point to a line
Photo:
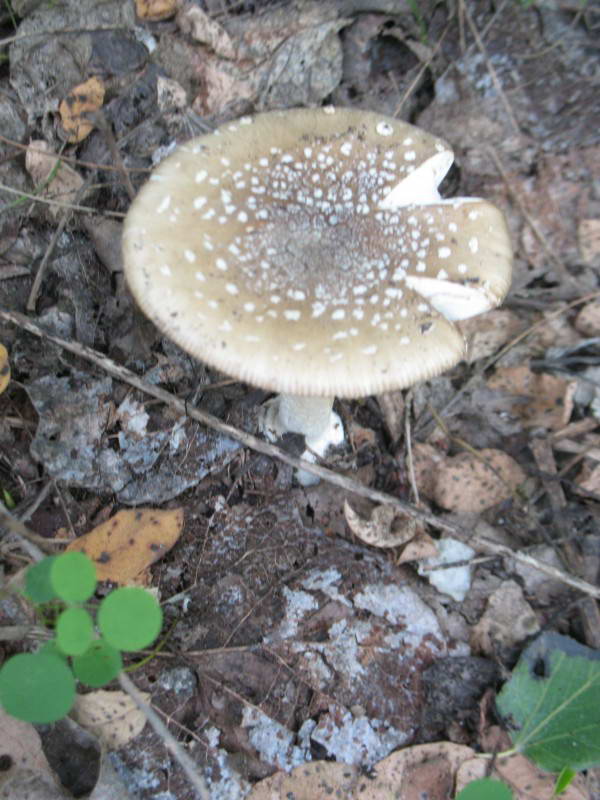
437	771
59	180
197	24
541	400
507	621
487	333
426	460
315	780
525	780
111	716
4	368
77	105
422	546
155	10
477	481
385	528
126	544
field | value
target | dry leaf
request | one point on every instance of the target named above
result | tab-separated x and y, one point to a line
426	460
77	105
526	781
315	780
425	770
383	529
155	10
111	716
422	546
436	771
477	481
62	182
392	407
197	24
21	743
487	333
587	322
4	368
126	544
507	621
547	400
588	235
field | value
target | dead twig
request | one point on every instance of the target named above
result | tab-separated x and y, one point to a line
60	203
186	763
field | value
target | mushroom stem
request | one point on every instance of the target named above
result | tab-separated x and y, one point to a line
311	416
307	415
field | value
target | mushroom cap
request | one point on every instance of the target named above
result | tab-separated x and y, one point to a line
308	251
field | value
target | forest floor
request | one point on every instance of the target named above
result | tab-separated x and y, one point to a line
304	651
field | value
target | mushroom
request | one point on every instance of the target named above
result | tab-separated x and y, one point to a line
308	252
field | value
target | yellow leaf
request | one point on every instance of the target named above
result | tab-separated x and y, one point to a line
4	368
126	544
81	100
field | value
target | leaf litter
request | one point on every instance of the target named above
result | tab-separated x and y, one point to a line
299	630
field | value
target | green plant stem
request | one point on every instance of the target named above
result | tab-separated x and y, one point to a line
155	650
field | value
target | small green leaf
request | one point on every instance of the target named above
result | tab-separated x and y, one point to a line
130	618
552	704
74	631
99	665
564	780
36	687
485	789
38	587
73	576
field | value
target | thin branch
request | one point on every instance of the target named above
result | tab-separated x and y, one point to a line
186	763
60	203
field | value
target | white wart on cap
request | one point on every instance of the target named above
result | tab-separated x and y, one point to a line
309	252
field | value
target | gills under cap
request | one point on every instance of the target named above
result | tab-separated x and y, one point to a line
308	251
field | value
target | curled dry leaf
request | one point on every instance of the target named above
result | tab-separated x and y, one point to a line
59	181
384	529
477	481
487	333
540	400
4	368
126	544
507	621
111	716
422	546
78	105
155	10
197	24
